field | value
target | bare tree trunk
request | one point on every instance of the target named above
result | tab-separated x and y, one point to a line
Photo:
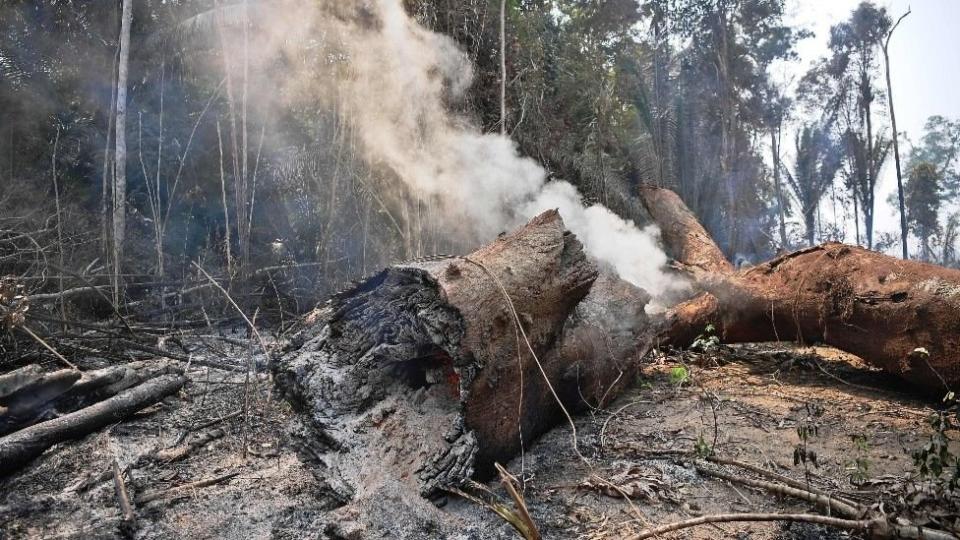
226	210
158	216
107	181
897	315
120	176
238	178
775	149
856	216
247	203
503	67
870	195
896	138
56	196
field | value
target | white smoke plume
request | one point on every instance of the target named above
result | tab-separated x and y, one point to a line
395	81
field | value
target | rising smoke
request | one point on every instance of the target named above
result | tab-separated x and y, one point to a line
395	82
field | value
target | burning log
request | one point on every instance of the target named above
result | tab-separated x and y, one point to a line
901	316
432	369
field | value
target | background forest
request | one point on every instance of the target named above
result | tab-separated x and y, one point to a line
219	163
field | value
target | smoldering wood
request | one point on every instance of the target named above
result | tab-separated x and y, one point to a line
20	447
897	315
411	380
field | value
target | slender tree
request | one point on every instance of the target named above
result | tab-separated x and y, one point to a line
896	135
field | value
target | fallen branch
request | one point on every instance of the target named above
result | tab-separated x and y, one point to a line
180	357
31	402
847	524
830	504
775	476
41	298
148	497
180	452
47	346
205	425
878	526
126	509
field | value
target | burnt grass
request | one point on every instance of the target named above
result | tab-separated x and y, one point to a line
742	403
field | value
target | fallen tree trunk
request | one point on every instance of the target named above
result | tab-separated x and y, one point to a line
429	371
22	446
901	316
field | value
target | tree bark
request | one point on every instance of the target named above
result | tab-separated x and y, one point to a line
897	315
688	241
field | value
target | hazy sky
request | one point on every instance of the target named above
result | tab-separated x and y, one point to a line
925	68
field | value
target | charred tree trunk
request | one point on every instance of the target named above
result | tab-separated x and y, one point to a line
898	315
452	364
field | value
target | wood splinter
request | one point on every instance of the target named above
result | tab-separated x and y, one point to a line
126	508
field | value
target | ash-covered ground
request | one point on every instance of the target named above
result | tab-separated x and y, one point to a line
636	470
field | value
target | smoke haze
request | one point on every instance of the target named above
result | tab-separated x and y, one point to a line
396	84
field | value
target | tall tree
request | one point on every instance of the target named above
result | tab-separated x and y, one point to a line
120	175
951	233
776	110
731	45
